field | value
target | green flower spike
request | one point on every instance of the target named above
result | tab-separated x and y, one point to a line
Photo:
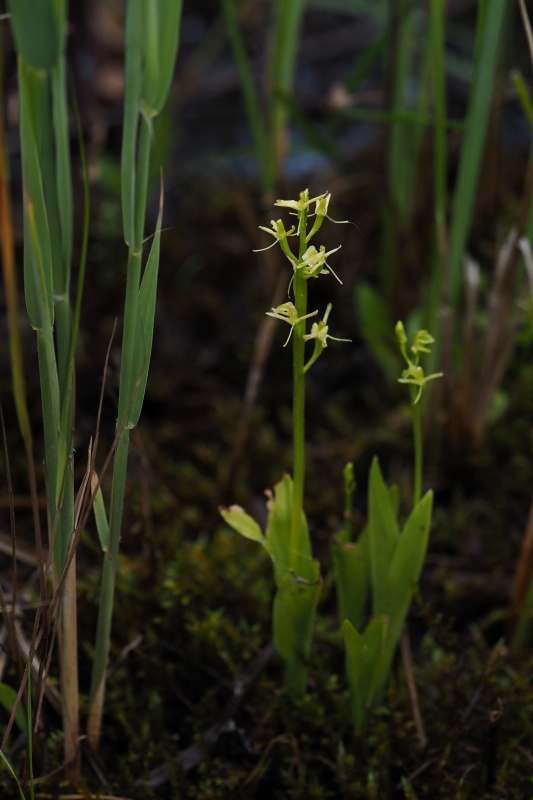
287	313
414	374
319	332
314	262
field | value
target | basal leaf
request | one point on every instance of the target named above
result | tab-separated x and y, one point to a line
402	579
383	532
293	618
362	655
408	559
243	523
351	563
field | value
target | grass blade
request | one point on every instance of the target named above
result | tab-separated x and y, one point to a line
250	95
144	329
36	33
490	25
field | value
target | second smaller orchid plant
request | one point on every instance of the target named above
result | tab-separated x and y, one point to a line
385	563
297	574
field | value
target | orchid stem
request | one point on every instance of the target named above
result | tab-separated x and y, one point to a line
298	408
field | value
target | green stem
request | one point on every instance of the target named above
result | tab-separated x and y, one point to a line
417	434
298	403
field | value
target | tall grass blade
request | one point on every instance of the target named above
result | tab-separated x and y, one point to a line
162	18
12	772
132	78
286	34
257	122
37	34
403	141
490	24
148	73
438	288
30	730
145	323
48	244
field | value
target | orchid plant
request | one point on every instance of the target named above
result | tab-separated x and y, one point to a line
387	559
297	574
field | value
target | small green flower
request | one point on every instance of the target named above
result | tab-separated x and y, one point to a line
322	204
319	332
280	235
421	342
287	313
414	374
303	203
314	262
321	212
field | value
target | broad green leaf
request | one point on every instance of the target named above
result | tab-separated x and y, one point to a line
408	561
8	698
362	656
383	532
144	329
351	563
293	618
37	31
403	576
243	523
